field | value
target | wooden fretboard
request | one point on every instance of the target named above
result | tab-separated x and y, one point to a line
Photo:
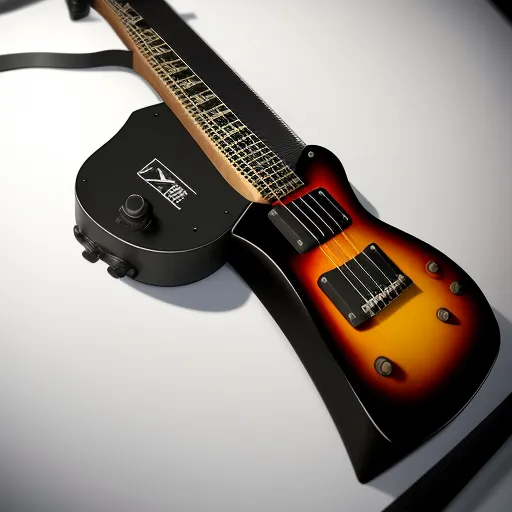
243	159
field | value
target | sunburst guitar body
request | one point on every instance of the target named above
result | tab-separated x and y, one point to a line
413	333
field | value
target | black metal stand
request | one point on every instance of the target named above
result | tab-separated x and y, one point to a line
435	490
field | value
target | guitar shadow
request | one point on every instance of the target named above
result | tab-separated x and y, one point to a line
400	477
94	17
364	202
14	498
224	290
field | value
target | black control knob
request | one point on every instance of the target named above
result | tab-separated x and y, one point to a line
135	206
383	366
135	214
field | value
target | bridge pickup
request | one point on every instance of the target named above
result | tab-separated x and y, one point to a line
364	285
310	220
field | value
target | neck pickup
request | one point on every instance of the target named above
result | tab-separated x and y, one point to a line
310	220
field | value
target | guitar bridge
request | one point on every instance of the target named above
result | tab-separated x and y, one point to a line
364	285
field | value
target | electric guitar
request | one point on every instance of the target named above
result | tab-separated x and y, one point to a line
411	330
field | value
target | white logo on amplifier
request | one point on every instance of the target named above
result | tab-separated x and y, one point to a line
160	177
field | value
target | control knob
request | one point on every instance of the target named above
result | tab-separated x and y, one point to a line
135	214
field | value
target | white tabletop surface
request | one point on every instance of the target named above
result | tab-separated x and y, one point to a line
209	409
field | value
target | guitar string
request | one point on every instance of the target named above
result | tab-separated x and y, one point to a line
337	266
354	247
332	230
357	251
320	245
342	231
336	242
346	263
377	321
402	282
209	122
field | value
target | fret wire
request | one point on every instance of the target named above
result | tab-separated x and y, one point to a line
230	125
236	141
256	156
206	121
255	144
245	169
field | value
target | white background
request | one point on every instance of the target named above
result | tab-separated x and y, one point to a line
121	397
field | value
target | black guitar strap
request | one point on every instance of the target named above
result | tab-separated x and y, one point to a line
114	58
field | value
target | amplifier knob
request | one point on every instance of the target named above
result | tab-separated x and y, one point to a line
135	206
383	366
135	214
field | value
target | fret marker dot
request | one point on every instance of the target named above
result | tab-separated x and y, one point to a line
194	230
156	114
311	154
226	211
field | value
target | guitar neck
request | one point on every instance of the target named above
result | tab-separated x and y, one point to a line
244	160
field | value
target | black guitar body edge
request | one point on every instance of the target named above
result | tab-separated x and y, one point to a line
370	452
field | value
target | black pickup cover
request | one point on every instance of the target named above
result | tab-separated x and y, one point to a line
310	220
364	285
